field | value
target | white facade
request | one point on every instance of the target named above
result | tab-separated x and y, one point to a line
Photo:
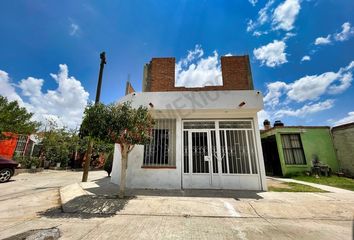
210	140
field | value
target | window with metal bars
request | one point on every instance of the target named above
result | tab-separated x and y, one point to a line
292	149
160	151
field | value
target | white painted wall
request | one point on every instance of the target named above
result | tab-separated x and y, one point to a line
191	105
138	177
259	152
200	100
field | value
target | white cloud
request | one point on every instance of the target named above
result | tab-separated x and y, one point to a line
344	83
275	91
196	71
285	15
262	115
347	119
288	35
65	104
323	40
305	58
7	89
310	87
263	17
74	28
253	2
271	54
306	109
346	33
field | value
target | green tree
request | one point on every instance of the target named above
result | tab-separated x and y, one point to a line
93	126
58	144
128	126
15	119
120	124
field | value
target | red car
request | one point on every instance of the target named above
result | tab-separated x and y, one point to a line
7	169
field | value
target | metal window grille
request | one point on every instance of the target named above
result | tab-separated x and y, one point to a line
185	152
292	149
237	147
21	144
160	151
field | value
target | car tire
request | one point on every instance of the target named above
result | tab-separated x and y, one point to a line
5	175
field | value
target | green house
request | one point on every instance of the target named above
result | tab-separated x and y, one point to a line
289	150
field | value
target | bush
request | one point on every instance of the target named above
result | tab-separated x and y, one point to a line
108	163
26	161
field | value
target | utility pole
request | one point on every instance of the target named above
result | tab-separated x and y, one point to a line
99	84
97	100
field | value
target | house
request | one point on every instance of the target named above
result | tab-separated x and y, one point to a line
203	138
17	144
288	150
343	139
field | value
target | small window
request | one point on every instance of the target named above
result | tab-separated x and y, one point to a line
199	125
160	151
235	124
292	148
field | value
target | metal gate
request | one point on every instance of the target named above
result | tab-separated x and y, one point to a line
219	154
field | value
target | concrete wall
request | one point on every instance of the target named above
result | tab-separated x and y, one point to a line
193	102
315	140
138	177
343	139
187	105
167	178
152	178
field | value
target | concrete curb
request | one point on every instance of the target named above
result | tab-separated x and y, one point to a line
68	194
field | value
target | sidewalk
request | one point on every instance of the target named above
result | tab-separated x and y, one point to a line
92	211
100	197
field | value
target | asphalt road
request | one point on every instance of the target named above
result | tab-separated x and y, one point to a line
27	195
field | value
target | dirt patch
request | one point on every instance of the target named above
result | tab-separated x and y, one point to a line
277	184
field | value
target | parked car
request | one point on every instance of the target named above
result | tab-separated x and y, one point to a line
7	169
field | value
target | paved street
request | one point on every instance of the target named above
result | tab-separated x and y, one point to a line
173	214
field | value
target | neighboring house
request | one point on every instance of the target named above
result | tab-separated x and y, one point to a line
204	138
8	144
18	144
343	139
289	150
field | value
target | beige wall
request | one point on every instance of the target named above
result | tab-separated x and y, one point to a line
343	138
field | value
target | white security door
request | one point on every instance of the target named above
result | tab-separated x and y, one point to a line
200	157
219	154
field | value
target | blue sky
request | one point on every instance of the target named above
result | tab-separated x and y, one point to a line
38	36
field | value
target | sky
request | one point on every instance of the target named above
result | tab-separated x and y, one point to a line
301	52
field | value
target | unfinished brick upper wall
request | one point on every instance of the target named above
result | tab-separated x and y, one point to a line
159	75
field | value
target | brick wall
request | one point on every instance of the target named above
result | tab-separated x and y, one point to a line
129	88
159	75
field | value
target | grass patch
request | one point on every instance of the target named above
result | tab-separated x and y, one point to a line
333	181
293	187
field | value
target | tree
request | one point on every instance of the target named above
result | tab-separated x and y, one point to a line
93	126
15	119
128	126
120	124
57	144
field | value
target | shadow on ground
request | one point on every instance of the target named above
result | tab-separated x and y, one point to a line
88	206
103	186
47	234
